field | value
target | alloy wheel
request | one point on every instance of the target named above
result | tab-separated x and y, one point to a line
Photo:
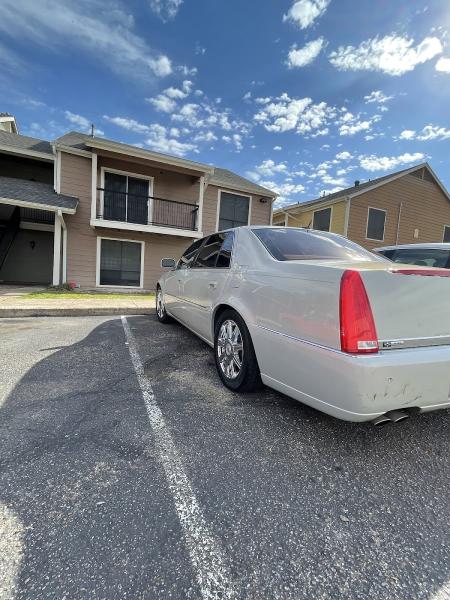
230	349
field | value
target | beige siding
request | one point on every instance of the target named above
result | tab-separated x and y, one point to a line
305	218
424	207
259	214
82	238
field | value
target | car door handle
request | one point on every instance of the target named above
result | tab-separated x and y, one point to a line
212	284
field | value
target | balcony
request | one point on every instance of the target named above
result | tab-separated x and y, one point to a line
124	210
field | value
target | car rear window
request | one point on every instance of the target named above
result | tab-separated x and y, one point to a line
306	244
432	257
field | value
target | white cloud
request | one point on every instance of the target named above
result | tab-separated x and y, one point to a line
377	96
162	103
354	125
344	155
268	168
129	124
300	114
235	139
443	65
81	122
165	9
99	28
179	94
159	140
278	148
384	163
300	57
392	54
205	136
429	132
304	12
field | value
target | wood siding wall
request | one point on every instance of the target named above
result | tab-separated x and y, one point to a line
82	238
424	207
305	218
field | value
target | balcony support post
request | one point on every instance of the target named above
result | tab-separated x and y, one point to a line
94	187
200	203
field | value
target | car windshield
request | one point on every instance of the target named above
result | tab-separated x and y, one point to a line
305	244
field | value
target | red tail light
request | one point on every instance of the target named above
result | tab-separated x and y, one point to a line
358	333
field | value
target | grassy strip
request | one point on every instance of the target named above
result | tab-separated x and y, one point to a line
45	295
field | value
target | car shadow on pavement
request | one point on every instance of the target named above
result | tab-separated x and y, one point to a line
85	511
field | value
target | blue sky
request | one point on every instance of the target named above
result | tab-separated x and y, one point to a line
302	96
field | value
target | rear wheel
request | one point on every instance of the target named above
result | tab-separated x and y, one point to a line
161	313
234	353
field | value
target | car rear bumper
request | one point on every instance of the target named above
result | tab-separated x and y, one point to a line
355	388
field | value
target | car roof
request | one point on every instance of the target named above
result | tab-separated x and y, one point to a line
431	246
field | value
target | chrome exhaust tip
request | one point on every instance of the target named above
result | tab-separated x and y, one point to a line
393	416
381	420
397	415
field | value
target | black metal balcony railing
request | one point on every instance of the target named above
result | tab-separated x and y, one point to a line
146	210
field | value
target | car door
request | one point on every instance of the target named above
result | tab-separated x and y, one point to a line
205	281
173	282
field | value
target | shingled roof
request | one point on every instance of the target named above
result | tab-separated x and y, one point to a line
220	177
24	143
39	194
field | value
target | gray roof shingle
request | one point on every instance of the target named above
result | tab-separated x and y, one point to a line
36	192
23	142
221	177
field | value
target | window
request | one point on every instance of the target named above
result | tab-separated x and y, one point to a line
234	210
376	220
322	219
120	263
446	233
125	198
295	244
424	257
216	252
189	256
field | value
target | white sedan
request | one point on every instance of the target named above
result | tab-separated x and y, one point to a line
316	317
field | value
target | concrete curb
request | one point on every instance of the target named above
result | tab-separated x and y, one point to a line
72	312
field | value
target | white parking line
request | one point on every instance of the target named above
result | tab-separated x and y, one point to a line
212	574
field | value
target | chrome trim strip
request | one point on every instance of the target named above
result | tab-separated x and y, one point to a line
308	342
420	342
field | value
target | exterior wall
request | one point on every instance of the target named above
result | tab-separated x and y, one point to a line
305	218
82	238
424	207
259	212
25	264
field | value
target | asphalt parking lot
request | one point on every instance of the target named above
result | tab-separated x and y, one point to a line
128	471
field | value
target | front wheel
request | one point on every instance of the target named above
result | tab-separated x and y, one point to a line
161	313
234	353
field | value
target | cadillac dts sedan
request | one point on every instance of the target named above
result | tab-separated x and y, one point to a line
317	318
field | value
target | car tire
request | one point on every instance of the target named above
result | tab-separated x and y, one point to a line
238	369
161	313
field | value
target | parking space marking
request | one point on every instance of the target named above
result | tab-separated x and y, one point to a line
206	556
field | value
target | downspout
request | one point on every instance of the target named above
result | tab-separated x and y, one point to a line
347	216
398	222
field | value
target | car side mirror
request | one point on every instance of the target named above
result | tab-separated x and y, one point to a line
168	263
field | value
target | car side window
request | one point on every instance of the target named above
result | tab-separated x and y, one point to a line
189	256
207	257
216	252
422	257
224	258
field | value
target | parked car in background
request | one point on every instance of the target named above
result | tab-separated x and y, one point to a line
317	317
425	255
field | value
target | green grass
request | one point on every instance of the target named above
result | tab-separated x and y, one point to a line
81	296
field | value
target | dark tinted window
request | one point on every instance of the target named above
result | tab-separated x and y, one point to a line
375	224
322	219
424	257
216	252
120	263
188	257
387	253
224	258
301	244
447	233
234	210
